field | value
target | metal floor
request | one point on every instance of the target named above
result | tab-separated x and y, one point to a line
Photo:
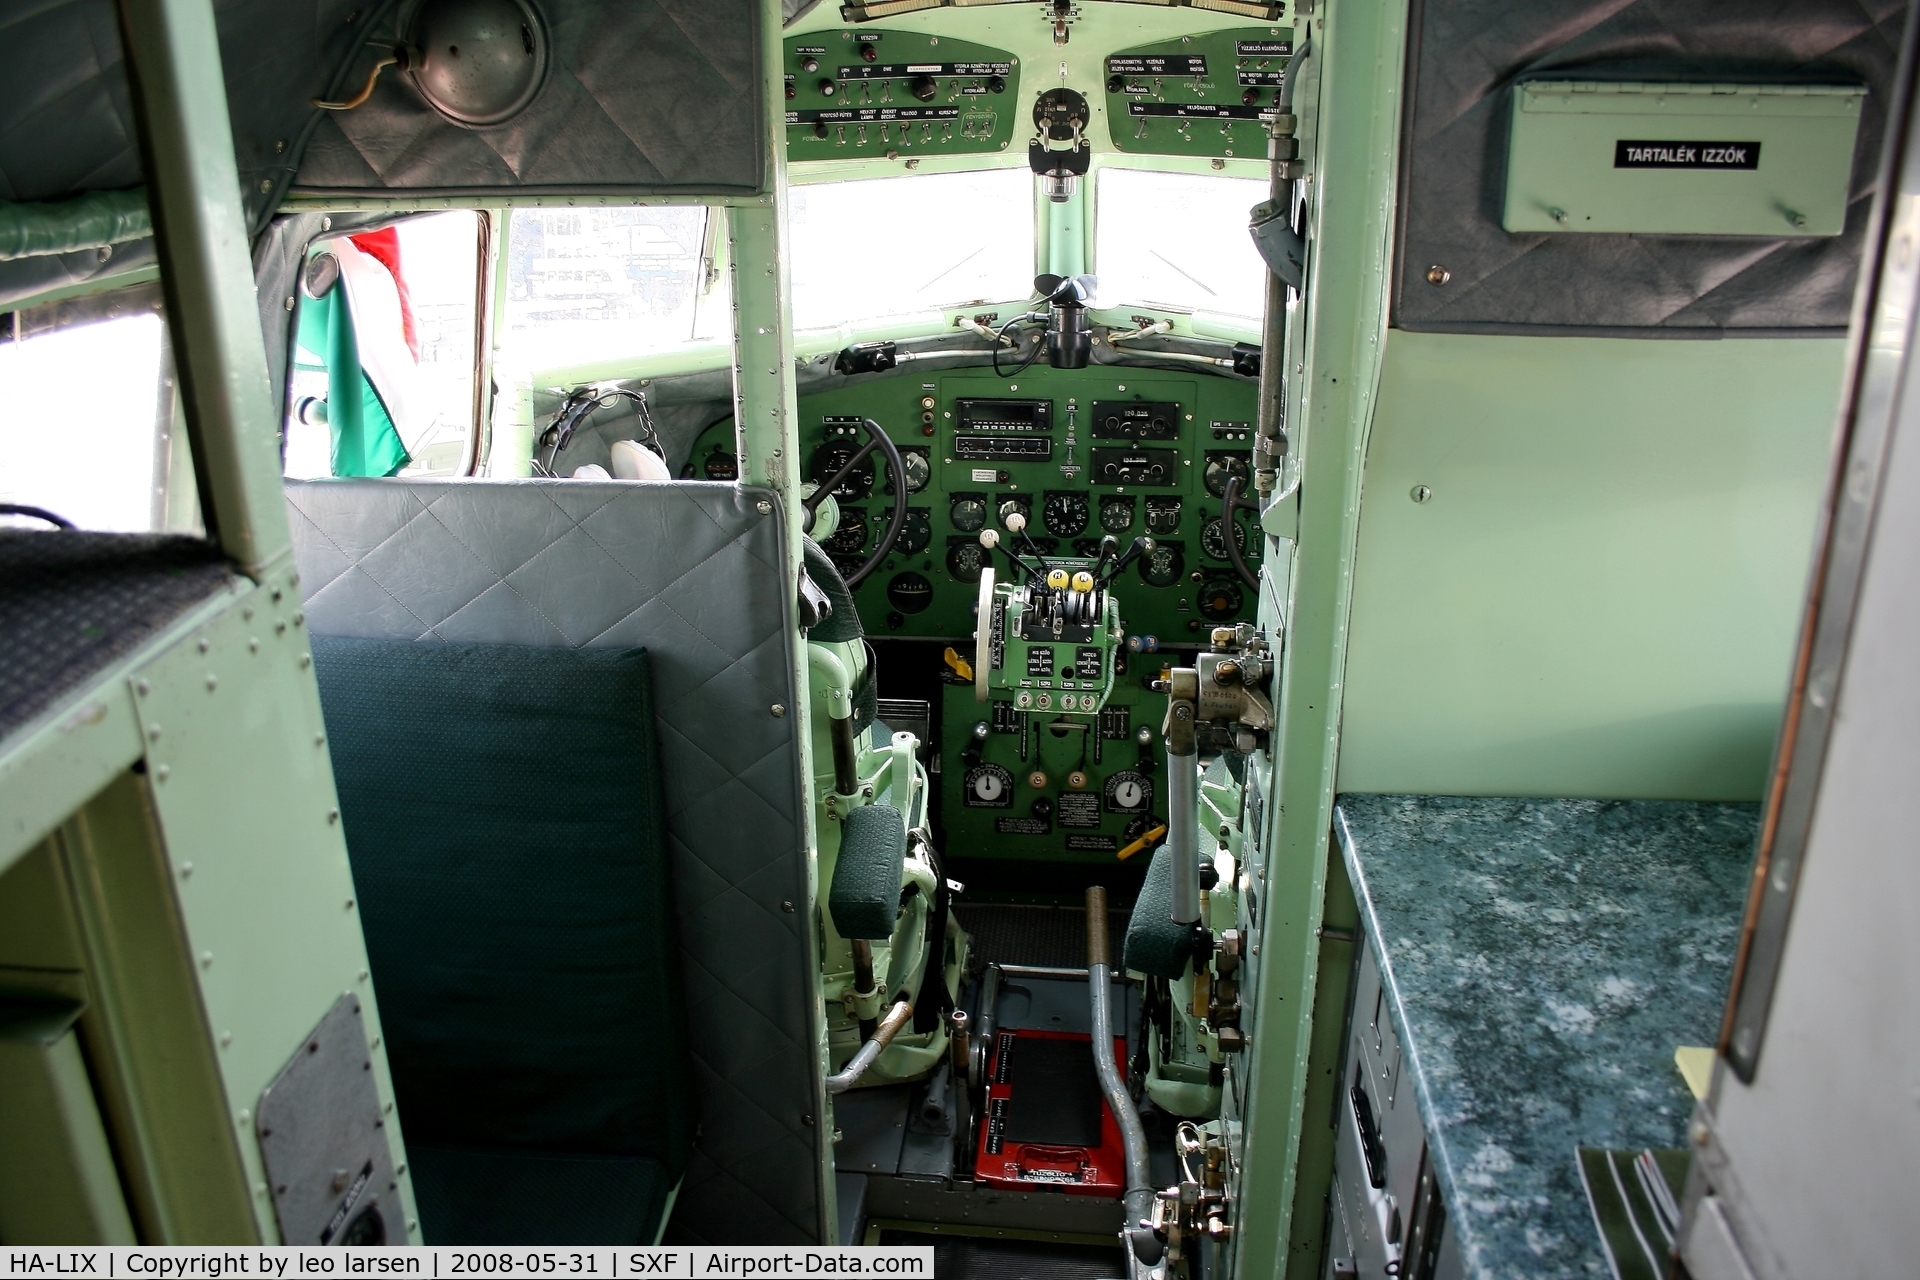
1055	936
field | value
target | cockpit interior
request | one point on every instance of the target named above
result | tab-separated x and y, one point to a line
1180	639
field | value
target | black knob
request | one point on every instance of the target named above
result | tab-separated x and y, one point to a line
1250	97
1042	808
792	92
828	88
820	129
996	84
868	53
809	64
923	88
1116	84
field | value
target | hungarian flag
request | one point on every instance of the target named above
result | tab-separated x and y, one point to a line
362	331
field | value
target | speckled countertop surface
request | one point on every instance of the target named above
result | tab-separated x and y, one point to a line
1545	958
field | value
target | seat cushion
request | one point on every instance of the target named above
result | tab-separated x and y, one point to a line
865	897
469	1196
1156	946
503	814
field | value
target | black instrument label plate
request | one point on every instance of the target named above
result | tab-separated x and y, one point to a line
1263	48
1020	827
1040	661
870	115
1092	844
1197	110
899	70
1136	420
1631	154
1157	64
1078	809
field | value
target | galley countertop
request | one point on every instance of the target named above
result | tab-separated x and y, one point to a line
1544	958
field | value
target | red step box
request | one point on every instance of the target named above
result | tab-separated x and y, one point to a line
1047	1125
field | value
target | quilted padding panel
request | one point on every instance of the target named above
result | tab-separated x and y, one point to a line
1155	945
692	572
1464	58
642	95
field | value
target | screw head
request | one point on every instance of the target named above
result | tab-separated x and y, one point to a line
778	710
1438	275
786	905
764	507
1420	493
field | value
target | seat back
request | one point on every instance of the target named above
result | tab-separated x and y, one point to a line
692	572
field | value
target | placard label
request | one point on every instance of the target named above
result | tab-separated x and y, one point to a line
1629	153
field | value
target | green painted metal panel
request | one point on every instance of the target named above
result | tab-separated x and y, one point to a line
1598	596
1348	101
852	93
255	863
1681	159
57	1179
1197	95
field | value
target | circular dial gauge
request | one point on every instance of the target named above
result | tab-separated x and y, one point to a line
850	538
1162	566
1128	792
988	786
918	470
916	531
1213	539
829	458
969	515
1222	467
1220	600
1116	516
965	560
1065	514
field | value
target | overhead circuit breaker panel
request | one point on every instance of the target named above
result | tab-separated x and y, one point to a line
1681	159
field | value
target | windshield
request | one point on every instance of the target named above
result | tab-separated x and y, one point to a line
600	283
890	247
1210	265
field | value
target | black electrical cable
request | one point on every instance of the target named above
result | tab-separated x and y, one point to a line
1033	355
35	513
1231	501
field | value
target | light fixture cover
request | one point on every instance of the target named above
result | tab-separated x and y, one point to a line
477	62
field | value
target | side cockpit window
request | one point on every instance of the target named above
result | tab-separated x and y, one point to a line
87	431
609	283
386	346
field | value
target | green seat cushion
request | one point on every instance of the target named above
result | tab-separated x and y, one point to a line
865	897
504	816
1156	946
468	1196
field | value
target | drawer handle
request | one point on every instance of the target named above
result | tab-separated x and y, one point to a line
1369	1142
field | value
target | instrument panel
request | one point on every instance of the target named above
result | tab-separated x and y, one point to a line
1081	454
1203	95
897	93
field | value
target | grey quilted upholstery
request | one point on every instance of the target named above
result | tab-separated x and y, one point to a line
1465	55
693	572
643	95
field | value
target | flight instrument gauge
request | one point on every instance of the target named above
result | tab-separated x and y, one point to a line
1129	792
850	538
916	531
829	458
1220	600
919	470
1116	514
1213	539
1065	514
988	786
1162	566
969	515
1222	467
965	559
